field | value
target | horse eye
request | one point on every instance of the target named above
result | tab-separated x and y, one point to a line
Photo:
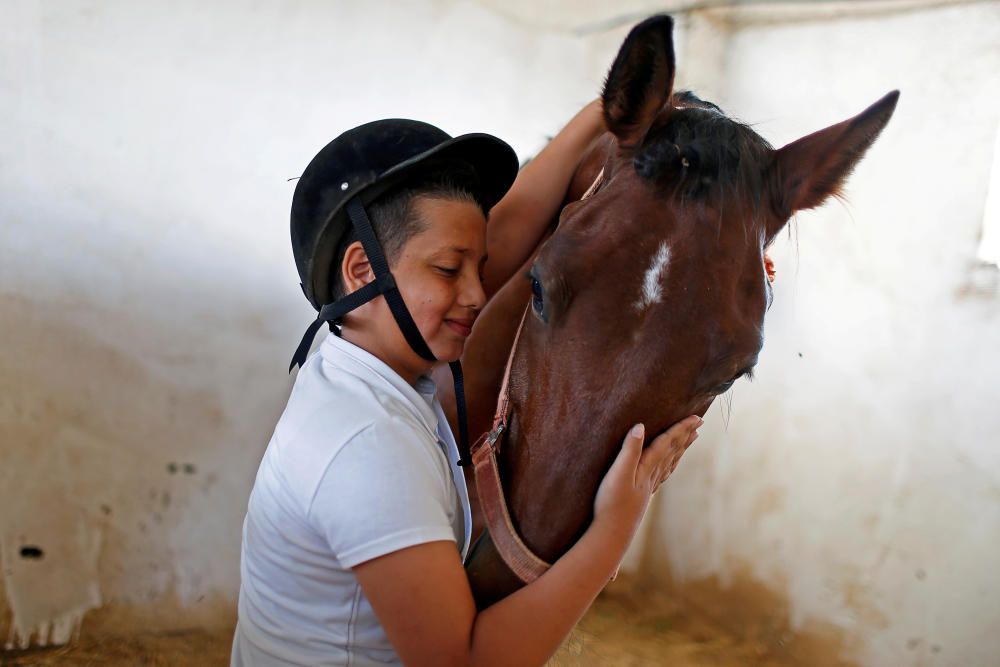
537	302
722	388
725	386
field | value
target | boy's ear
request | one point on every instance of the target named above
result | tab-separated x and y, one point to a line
356	271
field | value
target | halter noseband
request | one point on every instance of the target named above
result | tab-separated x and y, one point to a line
521	560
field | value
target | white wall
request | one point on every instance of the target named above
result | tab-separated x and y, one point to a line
859	475
148	297
149	306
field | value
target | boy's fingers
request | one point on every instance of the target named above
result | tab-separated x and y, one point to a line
632	447
672	443
677	435
694	436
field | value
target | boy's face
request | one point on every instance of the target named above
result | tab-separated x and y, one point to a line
439	274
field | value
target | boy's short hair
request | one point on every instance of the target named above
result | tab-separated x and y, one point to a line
395	219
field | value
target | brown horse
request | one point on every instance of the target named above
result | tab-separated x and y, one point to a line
648	300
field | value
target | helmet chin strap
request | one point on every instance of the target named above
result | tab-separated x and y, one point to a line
384	285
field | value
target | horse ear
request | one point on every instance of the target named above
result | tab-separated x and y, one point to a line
640	80
813	168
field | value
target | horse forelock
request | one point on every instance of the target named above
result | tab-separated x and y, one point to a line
700	154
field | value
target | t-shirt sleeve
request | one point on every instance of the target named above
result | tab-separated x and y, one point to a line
385	490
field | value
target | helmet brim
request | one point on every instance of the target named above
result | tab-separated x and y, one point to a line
493	160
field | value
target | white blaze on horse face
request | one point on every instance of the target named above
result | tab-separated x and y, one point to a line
652	282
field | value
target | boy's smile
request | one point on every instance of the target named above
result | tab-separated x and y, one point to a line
439	274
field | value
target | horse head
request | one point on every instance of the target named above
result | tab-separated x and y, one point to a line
648	300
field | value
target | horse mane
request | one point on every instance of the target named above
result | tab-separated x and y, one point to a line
701	153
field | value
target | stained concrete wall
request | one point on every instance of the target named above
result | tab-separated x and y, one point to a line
859	475
148	304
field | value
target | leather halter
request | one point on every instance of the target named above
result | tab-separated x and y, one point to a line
521	560
593	186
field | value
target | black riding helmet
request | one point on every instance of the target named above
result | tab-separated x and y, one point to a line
351	172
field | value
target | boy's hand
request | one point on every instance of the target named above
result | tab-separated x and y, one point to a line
637	473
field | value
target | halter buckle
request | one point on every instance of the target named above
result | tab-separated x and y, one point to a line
495	434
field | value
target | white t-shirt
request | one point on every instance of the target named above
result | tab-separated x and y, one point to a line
361	464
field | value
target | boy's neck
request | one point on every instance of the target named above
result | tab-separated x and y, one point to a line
371	345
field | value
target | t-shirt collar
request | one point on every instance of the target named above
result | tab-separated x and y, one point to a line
356	360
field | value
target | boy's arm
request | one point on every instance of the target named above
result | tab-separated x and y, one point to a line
518	222
423	599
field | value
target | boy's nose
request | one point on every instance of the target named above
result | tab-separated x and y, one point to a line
473	295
